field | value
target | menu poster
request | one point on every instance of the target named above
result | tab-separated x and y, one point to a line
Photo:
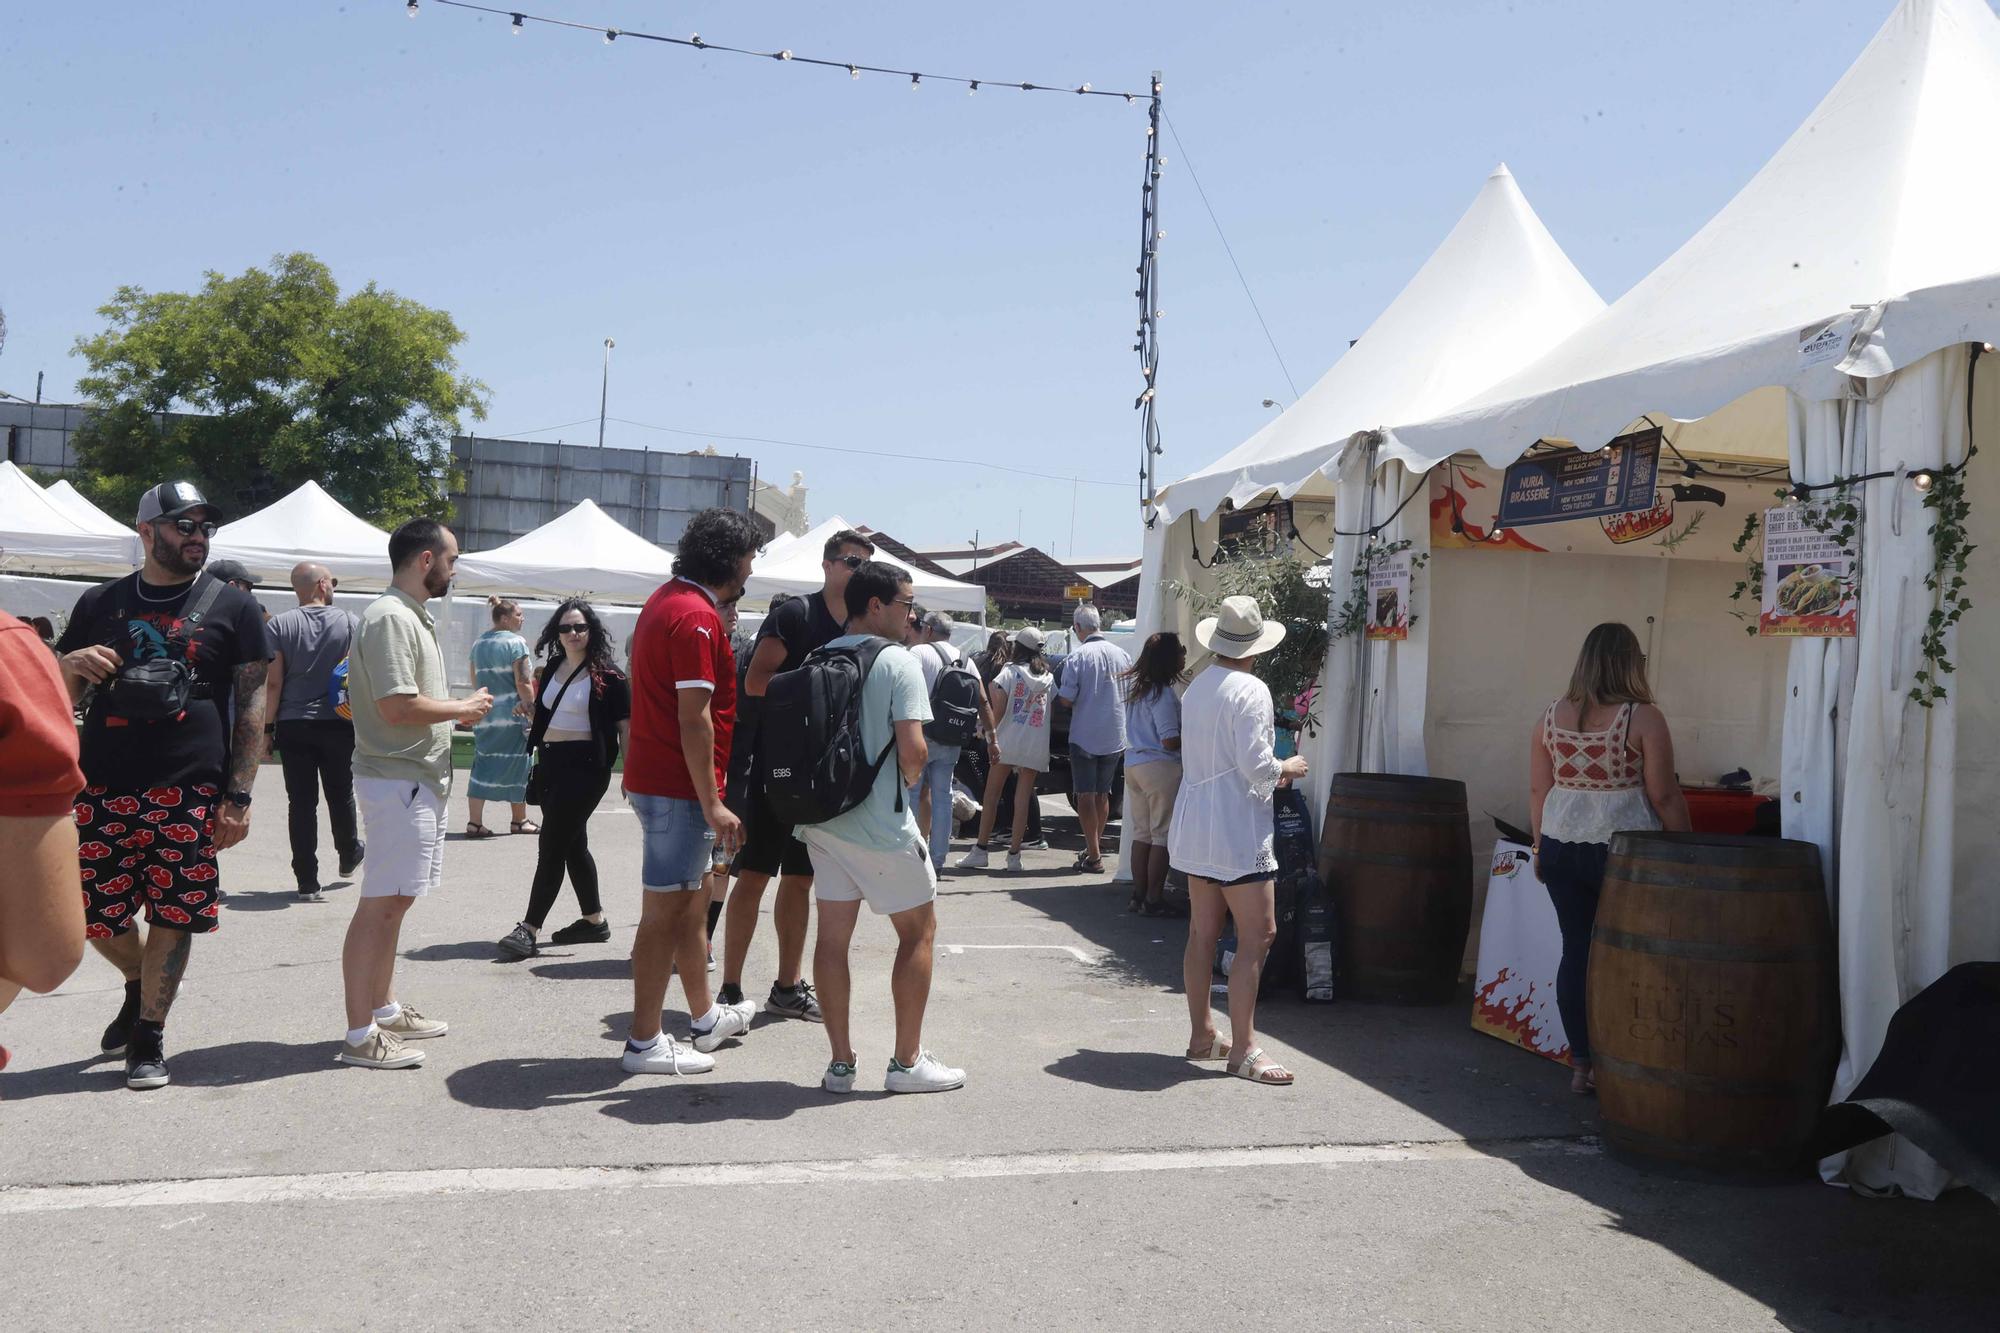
1389	597
1812	589
1569	484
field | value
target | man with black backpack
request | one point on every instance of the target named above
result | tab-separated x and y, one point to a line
860	705
958	708
154	658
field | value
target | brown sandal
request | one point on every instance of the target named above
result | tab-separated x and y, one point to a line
479	831
523	826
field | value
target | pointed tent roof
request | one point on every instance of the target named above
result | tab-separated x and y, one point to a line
310	525
35	533
71	501
1884	198
1496	292
794	568
581	553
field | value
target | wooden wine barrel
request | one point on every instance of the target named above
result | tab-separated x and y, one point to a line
1714	1013
1397	853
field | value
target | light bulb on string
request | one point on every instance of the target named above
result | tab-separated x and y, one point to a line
1082	89
784	55
694	39
1922	480
974	88
610	36
410	9
854	71
516	25
915	81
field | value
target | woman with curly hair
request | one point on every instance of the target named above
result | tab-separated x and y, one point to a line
1152	764
583	707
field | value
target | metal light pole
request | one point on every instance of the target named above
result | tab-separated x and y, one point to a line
604	395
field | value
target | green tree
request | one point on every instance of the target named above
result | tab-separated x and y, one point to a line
291	382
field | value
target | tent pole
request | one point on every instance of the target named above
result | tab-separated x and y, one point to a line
1361	639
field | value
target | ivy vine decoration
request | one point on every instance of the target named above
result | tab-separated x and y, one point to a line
1950	549
1352	616
1751	585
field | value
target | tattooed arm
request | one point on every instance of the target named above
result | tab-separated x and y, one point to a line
246	748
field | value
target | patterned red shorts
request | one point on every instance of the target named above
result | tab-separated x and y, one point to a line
153	847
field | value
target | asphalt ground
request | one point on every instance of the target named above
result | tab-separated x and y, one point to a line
1418	1176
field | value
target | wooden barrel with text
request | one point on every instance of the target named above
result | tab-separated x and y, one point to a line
1396	852
1713	1009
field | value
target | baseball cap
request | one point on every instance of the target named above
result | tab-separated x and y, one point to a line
1031	637
231	571
171	499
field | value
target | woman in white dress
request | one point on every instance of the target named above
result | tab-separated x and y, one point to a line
1221	832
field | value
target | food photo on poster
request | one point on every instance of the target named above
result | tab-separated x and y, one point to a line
1811	585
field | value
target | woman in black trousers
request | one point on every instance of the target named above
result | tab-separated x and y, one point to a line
583	710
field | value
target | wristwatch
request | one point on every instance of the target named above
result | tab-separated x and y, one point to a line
239	799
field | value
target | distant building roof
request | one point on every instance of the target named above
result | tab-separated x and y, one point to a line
914	559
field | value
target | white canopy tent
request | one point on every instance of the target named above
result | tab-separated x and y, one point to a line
1496	292
583	552
795	568
72	502
39	534
306	525
1859	273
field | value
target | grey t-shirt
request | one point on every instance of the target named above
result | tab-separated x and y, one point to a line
314	640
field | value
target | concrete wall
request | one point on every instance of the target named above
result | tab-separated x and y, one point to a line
512	487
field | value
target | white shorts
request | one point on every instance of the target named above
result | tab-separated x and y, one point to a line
891	882
403	823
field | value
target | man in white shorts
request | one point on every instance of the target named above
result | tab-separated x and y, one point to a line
874	852
403	715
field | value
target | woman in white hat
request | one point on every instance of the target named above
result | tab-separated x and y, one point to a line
1021	697
1221	832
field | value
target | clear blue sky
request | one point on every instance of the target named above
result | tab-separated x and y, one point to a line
787	253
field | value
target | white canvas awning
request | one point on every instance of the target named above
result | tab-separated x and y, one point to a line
1866	243
795	568
39	534
72	502
306	525
1497	292
581	553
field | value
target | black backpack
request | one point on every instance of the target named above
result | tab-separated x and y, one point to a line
809	740
955	698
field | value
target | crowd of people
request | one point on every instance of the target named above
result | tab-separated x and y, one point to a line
184	686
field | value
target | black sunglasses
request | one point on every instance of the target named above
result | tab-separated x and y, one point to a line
187	527
567	628
851	561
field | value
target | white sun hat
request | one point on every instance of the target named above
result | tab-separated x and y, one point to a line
1238	629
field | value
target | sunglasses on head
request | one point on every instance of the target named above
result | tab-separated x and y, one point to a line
851	561
187	527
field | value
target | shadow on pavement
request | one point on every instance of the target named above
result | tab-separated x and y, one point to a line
639	1099
464	949
266	900
589	969
228	1066
1130	1071
1822	1259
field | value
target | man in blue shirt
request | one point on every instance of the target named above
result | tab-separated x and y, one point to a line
874	851
1093	685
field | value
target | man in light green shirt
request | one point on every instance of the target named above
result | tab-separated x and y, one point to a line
403	715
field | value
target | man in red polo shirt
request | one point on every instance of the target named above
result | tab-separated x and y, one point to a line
683	709
41	898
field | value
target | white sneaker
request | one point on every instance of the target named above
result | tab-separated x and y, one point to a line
973	860
1013	860
928	1074
731	1020
839	1077
665	1056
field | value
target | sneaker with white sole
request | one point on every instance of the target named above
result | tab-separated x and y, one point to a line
1013	860
731	1020
975	859
665	1056
839	1077
379	1050
928	1074
410	1025
795	1002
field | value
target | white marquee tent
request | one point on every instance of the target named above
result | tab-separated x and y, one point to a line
310	525
583	552
1859	274
71	501
1496	292
795	568
39	534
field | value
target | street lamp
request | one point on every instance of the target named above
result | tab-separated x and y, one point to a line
604	395
1272	402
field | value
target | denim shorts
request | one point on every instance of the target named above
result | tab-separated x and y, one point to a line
1092	773
679	844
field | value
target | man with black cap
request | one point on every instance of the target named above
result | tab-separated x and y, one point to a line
156	658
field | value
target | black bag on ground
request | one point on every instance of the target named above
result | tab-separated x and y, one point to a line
1315	940
809	746
955	697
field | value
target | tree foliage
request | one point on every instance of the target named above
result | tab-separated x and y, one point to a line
291	381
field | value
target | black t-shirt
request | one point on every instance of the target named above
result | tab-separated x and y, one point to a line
140	622
802	625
